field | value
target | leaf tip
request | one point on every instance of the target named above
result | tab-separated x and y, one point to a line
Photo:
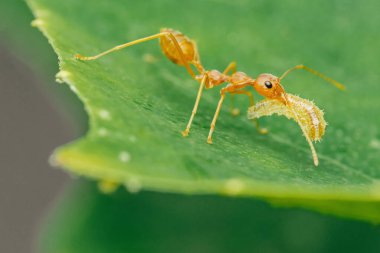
63	76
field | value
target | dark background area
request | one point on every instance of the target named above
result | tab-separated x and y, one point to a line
30	128
37	115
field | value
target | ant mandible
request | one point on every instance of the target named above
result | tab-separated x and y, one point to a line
183	51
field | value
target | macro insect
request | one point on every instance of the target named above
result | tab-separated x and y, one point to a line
183	51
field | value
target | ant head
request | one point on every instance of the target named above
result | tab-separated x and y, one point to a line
269	86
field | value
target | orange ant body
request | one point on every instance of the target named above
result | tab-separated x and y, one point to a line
183	51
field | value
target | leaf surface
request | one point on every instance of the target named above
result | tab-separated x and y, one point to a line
138	102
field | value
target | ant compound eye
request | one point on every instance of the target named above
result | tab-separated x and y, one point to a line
268	84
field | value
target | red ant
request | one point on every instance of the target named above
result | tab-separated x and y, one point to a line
183	51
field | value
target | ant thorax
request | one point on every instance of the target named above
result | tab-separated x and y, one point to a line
214	78
309	116
240	77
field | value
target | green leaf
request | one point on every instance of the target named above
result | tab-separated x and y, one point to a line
137	107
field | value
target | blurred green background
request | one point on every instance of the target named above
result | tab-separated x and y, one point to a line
38	114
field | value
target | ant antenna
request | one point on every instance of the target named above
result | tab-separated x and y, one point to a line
326	78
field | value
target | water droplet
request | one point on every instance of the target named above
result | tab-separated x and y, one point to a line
375	143
124	156
234	186
37	23
132	138
104	114
62	76
149	58
107	187
133	185
102	132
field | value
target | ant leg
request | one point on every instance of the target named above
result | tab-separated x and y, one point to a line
233	109
313	152
252	103
187	130
128	44
197	62
326	78
231	89
232	67
212	127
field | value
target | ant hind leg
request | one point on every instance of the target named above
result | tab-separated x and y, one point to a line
201	87
169	35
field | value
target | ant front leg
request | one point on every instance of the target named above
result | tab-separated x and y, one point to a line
252	103
201	87
212	127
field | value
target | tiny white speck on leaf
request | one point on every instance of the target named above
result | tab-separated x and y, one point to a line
124	156
375	143
132	138
62	76
104	114
102	132
133	185
149	58
234	186
37	23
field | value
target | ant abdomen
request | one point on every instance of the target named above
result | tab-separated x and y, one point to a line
186	45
